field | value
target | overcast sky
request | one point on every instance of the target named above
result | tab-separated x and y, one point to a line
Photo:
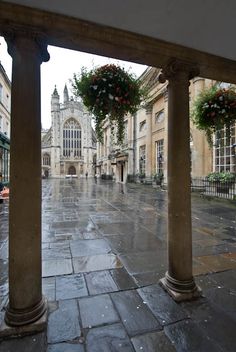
59	70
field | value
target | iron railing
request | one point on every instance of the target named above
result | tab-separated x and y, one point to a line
219	189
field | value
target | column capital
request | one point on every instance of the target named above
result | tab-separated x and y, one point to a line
27	40
148	108
178	70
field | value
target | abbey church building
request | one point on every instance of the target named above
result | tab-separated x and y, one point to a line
69	146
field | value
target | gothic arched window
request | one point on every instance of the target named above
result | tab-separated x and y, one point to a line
72	139
46	159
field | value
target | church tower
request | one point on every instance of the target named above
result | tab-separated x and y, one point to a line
55	114
67	147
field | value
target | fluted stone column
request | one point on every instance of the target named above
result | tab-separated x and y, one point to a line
179	281
148	170
26	303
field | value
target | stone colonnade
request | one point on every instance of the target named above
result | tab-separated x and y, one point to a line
26	303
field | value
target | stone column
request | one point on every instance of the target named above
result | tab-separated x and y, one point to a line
165	151
148	170
26	303
178	281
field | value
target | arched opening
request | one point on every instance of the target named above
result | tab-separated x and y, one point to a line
71	170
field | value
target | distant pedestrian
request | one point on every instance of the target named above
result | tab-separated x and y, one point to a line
86	174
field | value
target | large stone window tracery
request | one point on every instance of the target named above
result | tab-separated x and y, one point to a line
72	139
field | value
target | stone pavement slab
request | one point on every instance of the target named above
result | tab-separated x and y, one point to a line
66	347
49	288
157	300
100	282
135	315
70	286
82	248
152	342
111	338
97	310
63	323
33	343
55	267
186	336
216	324
123	280
96	262
136	263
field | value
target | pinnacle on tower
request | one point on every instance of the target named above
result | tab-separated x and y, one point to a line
66	95
55	92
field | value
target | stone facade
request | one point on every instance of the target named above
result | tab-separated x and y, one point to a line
144	151
5	108
69	146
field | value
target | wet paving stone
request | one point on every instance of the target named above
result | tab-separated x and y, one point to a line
111	338
153	342
122	279
205	282
158	301
91	235
187	337
111	217
134	243
66	347
97	310
214	322
96	263
63	323
49	288
133	219
3	250
82	248
213	250
64	225
65	244
226	279
56	253
135	315
70	286
149	278
199	268
56	267
223	298
217	262
116	228
32	343
100	282
136	263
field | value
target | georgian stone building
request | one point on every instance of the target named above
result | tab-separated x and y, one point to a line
5	108
144	151
68	147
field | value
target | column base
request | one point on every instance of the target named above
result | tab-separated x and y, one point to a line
7	332
24	317
180	290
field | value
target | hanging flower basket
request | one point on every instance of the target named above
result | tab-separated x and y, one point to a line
214	109
108	92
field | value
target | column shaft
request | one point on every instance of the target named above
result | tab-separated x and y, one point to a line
179	280
26	304
148	170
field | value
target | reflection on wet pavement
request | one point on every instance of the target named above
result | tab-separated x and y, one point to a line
104	249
